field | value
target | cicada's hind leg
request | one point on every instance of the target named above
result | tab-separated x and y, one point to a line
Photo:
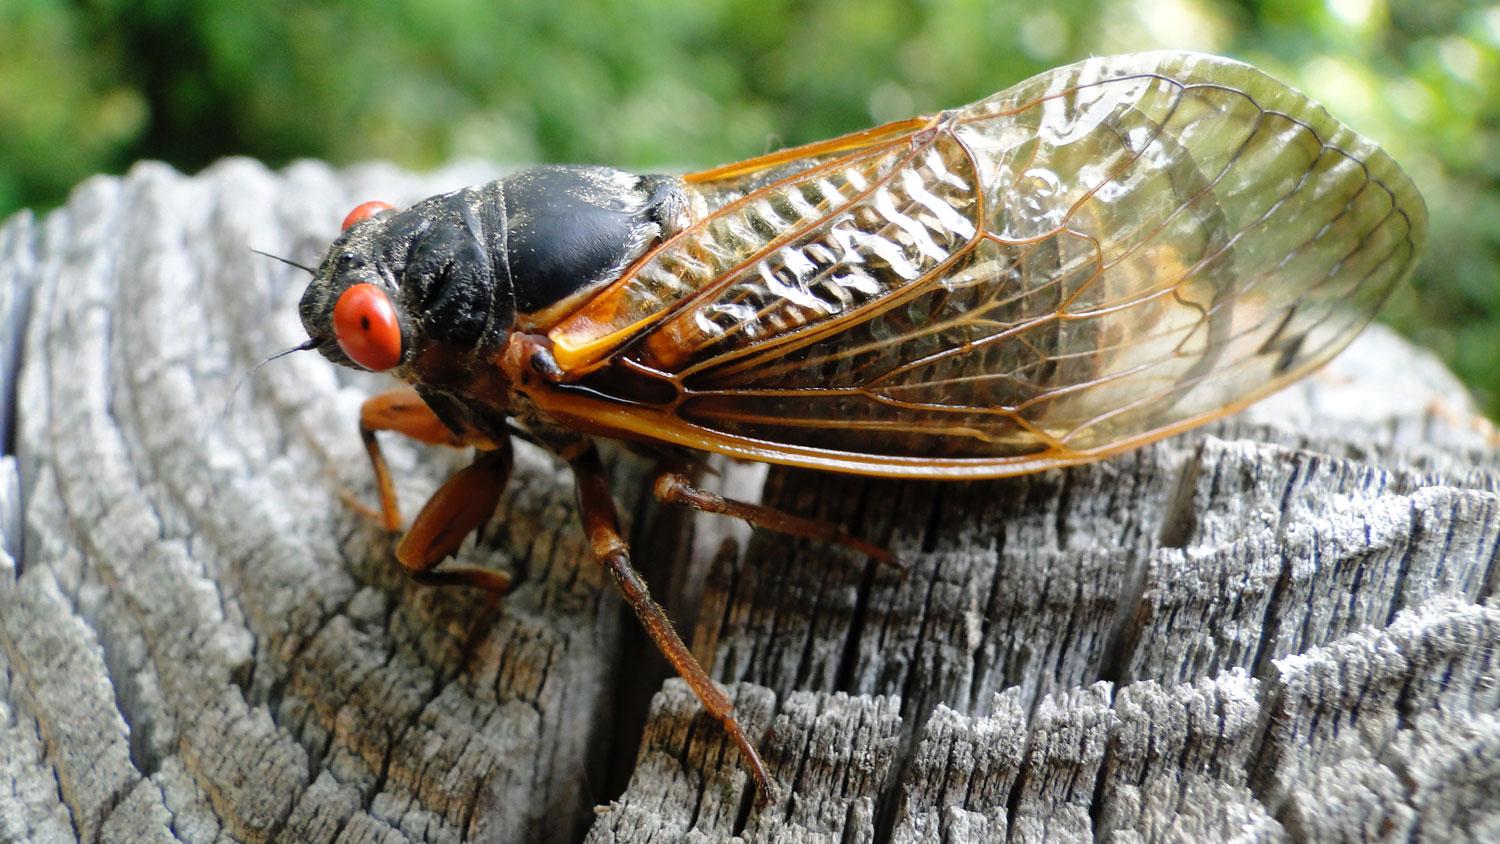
602	525
460	505
674	486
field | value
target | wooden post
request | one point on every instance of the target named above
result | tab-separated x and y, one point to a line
1277	627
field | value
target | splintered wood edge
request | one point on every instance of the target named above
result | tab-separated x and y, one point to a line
1382	727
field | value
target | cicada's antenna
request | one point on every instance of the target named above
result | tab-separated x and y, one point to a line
289	262
300	347
305	346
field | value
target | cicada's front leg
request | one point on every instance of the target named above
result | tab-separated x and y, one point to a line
601	523
460	505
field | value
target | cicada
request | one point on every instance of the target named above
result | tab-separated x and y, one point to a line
1098	257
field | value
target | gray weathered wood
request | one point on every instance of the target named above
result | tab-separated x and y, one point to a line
1279	627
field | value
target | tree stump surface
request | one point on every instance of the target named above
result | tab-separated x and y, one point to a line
1278	627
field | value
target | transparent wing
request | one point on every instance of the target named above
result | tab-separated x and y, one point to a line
1097	257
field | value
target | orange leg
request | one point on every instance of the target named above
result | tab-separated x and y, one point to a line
673	486
404	412
457	509
468	498
602	525
459	506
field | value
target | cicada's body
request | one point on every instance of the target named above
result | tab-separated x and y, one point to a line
1098	257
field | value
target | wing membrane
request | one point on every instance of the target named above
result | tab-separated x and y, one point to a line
1097	257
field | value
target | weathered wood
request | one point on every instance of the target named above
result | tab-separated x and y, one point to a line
1279	627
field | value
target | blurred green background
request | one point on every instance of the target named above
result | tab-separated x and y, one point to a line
89	87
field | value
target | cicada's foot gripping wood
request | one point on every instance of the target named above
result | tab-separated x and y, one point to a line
601	523
460	505
673	486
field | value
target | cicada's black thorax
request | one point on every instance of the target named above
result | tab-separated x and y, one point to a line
572	229
460	267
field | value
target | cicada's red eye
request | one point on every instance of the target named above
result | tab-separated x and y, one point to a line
364	322
364	211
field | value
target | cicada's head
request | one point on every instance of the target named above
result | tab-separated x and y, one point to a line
449	278
396	283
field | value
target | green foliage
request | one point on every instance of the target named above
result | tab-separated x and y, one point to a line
89	87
